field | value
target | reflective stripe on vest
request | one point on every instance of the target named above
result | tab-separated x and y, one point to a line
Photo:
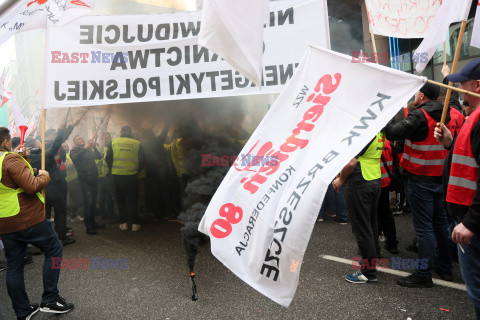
462	182
425	157
125	156
387	155
370	160
10	206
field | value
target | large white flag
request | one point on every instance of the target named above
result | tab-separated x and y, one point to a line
234	30
262	215
476	28
450	11
34	14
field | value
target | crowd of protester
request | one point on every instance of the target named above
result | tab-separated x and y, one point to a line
414	164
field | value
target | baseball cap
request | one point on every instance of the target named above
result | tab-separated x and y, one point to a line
431	91
470	72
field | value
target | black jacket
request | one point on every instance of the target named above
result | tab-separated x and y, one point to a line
84	161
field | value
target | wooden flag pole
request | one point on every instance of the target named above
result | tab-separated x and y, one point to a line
454	88
444	53
446	104
374	47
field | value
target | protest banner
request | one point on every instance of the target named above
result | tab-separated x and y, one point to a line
262	215
98	60
401	19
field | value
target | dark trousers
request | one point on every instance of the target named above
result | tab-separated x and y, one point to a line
386	222
89	193
56	198
105	198
126	195
361	198
43	237
431	225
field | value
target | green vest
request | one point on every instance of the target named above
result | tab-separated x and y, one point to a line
10	206
102	164
125	156
71	171
370	160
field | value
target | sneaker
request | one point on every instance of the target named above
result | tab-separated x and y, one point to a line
358	277
342	222
3	266
135	227
33	310
331	215
414	281
67	241
34	251
57	306
123	226
443	275
397	212
28	259
91	231
319	219
99	225
412	248
392	249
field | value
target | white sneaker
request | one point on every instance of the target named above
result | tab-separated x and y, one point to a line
319	219
135	227
123	227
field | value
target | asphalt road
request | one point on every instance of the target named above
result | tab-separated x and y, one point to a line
156	283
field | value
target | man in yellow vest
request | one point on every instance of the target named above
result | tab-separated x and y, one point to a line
362	193
125	159
22	221
105	197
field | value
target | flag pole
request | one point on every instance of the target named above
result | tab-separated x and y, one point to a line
44	115
446	104
473	94
444	53
374	47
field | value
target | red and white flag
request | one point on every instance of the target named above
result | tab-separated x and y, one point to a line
6	95
476	28
234	30
34	14
13	129
17	114
450	11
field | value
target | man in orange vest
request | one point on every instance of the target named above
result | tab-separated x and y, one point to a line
462	177
422	164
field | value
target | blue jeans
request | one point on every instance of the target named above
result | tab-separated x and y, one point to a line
431	224
44	237
334	203
470	267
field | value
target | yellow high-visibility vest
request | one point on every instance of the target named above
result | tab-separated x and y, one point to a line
177	152
9	205
125	156
102	166
71	170
370	160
